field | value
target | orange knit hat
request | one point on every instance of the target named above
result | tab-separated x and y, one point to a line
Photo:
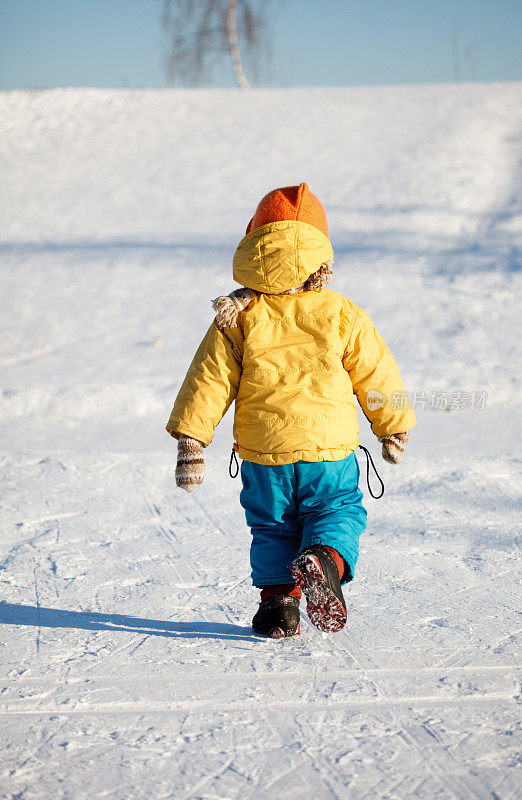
290	203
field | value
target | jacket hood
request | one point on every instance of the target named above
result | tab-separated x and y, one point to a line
280	255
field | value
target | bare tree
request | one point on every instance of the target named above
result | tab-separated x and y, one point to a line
202	31
455	49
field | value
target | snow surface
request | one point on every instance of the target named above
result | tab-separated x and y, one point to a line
129	669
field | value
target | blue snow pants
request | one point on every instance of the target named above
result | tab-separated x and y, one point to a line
291	506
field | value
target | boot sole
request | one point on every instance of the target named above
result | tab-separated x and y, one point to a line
324	609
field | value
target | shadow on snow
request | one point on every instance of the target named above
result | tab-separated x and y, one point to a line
36	616
475	253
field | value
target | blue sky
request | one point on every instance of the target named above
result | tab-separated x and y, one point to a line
46	43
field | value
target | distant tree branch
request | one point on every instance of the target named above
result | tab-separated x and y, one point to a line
202	31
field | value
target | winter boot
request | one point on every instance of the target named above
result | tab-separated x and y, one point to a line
277	617
315	571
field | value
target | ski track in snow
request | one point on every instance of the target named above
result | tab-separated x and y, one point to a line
129	668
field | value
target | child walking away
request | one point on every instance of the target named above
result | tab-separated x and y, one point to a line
291	354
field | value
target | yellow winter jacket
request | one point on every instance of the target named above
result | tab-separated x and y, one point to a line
293	363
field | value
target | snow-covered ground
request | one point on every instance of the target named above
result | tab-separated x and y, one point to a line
129	670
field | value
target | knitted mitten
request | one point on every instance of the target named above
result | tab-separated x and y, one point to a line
393	446
190	469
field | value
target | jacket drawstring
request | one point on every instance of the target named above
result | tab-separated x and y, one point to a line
233	470
369	460
234	463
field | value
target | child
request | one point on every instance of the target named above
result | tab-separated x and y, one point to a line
292	353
